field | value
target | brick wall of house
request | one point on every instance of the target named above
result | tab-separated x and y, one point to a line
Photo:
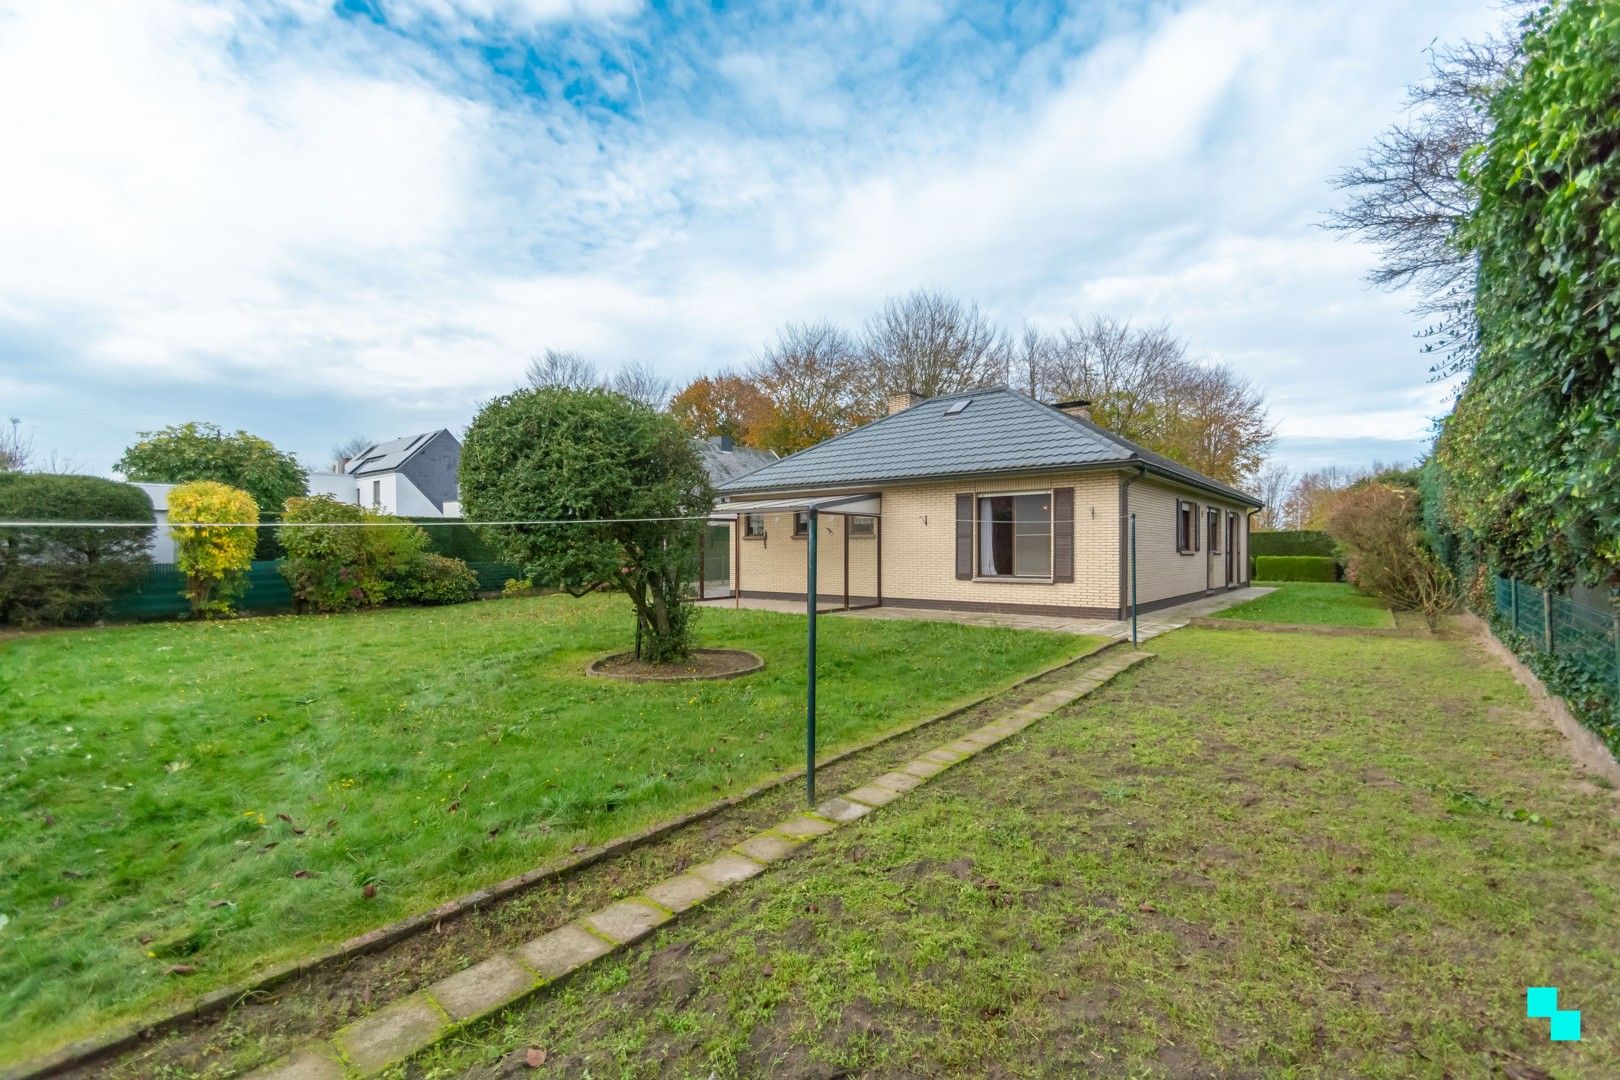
1162	571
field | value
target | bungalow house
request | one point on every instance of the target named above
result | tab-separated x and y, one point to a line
988	501
412	476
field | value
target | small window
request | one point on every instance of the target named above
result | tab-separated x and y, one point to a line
1186	527
801	523
956	407
376	493
754	526
1015	536
862	525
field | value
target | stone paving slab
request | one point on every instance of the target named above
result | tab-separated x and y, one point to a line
681	892
804	826
555	954
728	869
484	987
842	810
310	1063
626	921
391	1035
766	847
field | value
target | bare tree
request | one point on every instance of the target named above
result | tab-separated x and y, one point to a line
639	382
1032	355
1271	486
932	344
812	374
1408	197
16	449
348	449
562	368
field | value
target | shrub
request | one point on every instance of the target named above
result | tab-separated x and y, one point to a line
434	579
193	451
624	471
62	575
1378	527
216	554
353	564
1295	568
1291	542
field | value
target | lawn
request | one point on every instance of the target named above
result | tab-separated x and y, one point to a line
1260	854
221	795
1314	603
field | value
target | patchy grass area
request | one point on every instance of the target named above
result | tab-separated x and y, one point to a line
1257	855
1319	604
221	795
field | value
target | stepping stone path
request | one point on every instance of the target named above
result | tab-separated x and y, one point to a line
396	1032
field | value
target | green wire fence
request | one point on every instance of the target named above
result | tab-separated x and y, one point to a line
1581	633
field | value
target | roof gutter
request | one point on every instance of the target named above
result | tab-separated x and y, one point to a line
1125	483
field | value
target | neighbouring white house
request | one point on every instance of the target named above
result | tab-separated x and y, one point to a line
413	476
161	546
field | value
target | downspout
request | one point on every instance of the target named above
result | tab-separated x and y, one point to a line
1125	483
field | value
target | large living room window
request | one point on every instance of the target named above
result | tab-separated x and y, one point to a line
1015	535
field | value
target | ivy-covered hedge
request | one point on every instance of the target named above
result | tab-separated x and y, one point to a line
1532	451
1291	542
1295	568
1585	690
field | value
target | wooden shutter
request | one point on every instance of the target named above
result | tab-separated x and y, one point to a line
1197	526
964	537
1063	534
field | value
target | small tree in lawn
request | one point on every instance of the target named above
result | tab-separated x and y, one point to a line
593	455
213	551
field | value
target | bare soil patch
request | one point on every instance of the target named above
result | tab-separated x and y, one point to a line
701	664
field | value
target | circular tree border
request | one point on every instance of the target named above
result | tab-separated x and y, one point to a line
751	662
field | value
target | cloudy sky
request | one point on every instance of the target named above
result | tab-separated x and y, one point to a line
315	220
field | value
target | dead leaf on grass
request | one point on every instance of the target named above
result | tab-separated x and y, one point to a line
535	1057
1146	907
182	969
369	891
303	873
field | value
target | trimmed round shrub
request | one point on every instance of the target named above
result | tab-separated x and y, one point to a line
1295	568
68	575
434	579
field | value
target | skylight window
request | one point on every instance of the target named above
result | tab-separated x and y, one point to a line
957	406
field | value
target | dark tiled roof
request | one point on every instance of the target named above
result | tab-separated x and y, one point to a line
995	430
725	465
388	456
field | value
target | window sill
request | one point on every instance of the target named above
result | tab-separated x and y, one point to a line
1010	579
756	539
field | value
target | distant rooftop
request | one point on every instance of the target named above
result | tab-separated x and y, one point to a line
389	456
723	460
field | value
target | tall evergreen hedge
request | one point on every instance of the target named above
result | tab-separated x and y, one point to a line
68	574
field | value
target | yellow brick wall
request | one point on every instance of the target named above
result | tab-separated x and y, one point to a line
1162	571
919	548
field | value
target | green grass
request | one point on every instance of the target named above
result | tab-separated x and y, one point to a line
219	795
1260	854
1313	603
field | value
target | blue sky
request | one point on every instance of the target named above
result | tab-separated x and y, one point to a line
317	220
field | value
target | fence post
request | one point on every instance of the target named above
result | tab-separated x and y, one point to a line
1547	621
1614	606
1513	602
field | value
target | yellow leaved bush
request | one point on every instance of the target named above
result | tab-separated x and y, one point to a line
214	550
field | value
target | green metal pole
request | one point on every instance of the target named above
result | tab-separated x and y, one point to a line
1134	642
810	663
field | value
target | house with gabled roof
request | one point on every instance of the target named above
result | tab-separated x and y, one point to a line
986	501
412	476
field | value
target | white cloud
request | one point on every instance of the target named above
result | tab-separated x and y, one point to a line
213	198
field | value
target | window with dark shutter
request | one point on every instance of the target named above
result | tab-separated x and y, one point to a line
964	537
1186	527
1063	534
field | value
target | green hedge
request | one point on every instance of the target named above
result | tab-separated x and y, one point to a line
1291	542
1295	568
456	539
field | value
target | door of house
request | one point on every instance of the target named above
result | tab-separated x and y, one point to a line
1231	550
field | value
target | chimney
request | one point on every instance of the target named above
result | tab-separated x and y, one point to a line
724	442
1079	407
341	464
902	400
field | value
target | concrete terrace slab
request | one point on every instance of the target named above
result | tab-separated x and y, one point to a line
391	1035
626	921
568	947
484	987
